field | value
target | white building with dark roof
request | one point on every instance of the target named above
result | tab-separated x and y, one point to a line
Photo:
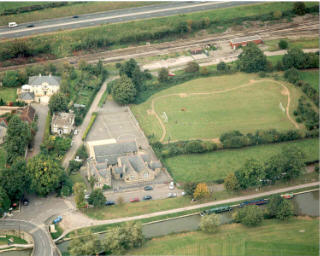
62	123
39	88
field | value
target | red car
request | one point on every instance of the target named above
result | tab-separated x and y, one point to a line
136	199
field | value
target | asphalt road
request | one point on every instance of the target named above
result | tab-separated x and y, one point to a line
42	243
116	16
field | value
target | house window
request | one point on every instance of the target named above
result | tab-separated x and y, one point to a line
146	175
132	177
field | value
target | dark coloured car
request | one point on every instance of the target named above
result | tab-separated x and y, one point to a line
25	201
147	197
133	200
75	16
30	26
110	203
146	188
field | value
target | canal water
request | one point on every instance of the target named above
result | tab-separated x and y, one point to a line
304	204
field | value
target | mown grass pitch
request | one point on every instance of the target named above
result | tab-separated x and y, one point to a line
207	107
217	165
273	237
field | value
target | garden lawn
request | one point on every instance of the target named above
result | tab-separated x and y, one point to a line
8	94
311	77
217	165
77	177
293	238
227	107
301	43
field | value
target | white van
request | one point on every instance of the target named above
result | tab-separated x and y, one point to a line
12	24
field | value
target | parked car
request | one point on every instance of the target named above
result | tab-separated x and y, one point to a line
136	199
110	203
30	26
25	201
57	220
146	188
12	24
147	197
86	196
183	193
171	185
75	16
172	195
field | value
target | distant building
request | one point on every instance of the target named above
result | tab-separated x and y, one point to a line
62	123
120	161
196	51
243	41
39	89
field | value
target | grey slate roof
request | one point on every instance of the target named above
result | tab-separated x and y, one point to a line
155	164
27	96
39	80
245	39
118	170
111	152
136	162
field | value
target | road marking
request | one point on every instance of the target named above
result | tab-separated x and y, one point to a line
108	18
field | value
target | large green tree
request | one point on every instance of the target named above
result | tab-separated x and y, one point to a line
210	223
17	138
85	244
78	190
14	78
45	173
123	91
15	179
96	198
4	201
58	103
250	215
250	174
295	58
252	59
279	208
294	162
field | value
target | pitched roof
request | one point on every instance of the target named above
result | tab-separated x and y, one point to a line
28	114
155	164
26	96
111	152
63	119
3	131
135	162
39	80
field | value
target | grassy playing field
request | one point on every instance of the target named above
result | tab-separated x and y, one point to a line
273	237
311	77
217	165
205	108
8	94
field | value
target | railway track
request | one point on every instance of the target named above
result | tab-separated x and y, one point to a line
309	26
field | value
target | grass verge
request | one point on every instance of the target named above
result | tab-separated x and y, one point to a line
93	118
272	237
301	43
58	233
311	77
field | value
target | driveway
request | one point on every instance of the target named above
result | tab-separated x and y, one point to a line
42	112
77	139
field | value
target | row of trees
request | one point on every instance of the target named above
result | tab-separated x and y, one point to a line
116	241
283	166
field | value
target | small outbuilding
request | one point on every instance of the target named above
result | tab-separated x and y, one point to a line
243	41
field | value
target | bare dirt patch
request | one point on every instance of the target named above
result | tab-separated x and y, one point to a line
150	112
183	95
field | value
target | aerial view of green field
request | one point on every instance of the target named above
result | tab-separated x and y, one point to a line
217	165
311	77
207	107
273	237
